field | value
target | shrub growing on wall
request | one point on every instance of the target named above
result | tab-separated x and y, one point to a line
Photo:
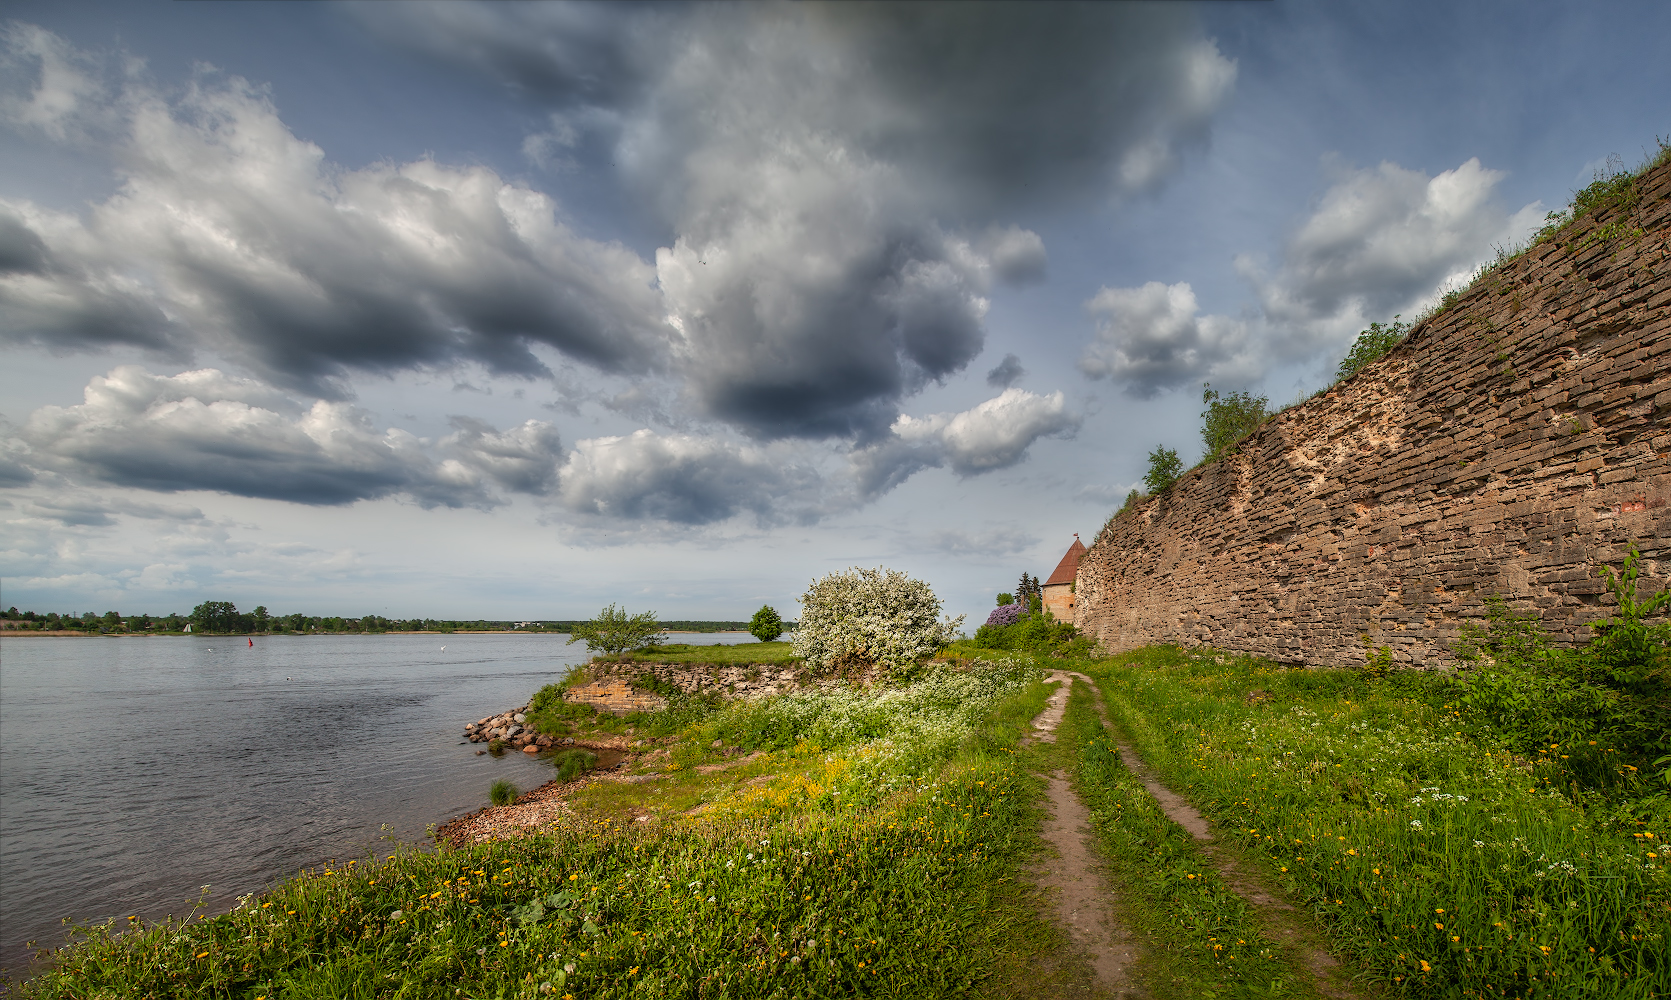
1164	469
1228	418
879	615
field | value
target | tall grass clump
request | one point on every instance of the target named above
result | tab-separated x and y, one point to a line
571	764
503	793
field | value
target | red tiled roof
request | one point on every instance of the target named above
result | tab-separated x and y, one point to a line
1068	569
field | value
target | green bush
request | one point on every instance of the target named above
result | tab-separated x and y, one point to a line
1613	691
1039	632
503	793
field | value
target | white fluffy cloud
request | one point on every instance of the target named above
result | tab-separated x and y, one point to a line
682	478
993	435
1380	241
205	430
1387	237
1155	336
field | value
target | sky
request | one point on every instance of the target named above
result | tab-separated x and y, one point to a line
517	310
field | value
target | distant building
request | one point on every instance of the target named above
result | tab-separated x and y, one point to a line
1059	589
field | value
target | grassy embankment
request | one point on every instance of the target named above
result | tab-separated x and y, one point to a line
868	847
1438	859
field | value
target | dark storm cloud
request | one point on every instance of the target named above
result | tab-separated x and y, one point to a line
21	249
837	179
231	234
821	164
570	55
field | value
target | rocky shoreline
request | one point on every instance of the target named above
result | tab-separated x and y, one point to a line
509	728
544	805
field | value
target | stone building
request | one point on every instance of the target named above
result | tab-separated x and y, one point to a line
1059	589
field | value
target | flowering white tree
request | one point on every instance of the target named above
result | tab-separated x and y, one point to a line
879	614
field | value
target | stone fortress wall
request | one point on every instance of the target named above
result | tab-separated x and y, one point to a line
1512	444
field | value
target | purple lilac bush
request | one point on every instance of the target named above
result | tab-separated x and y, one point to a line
1005	614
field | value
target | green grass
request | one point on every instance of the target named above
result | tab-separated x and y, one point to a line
1441	861
870	863
503	793
735	654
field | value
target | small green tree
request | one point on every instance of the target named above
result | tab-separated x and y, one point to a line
1371	346
1164	469
1004	599
1229	418
766	625
614	631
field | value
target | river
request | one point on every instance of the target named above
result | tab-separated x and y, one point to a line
134	771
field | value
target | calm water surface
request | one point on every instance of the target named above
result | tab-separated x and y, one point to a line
134	771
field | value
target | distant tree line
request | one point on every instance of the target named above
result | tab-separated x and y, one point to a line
224	616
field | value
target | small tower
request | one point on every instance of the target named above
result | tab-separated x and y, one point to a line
1059	589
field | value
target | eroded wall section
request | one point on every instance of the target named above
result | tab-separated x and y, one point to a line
1513	443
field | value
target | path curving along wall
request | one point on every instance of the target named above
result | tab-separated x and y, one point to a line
1513	444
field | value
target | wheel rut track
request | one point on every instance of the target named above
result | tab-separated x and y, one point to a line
1285	924
1081	897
